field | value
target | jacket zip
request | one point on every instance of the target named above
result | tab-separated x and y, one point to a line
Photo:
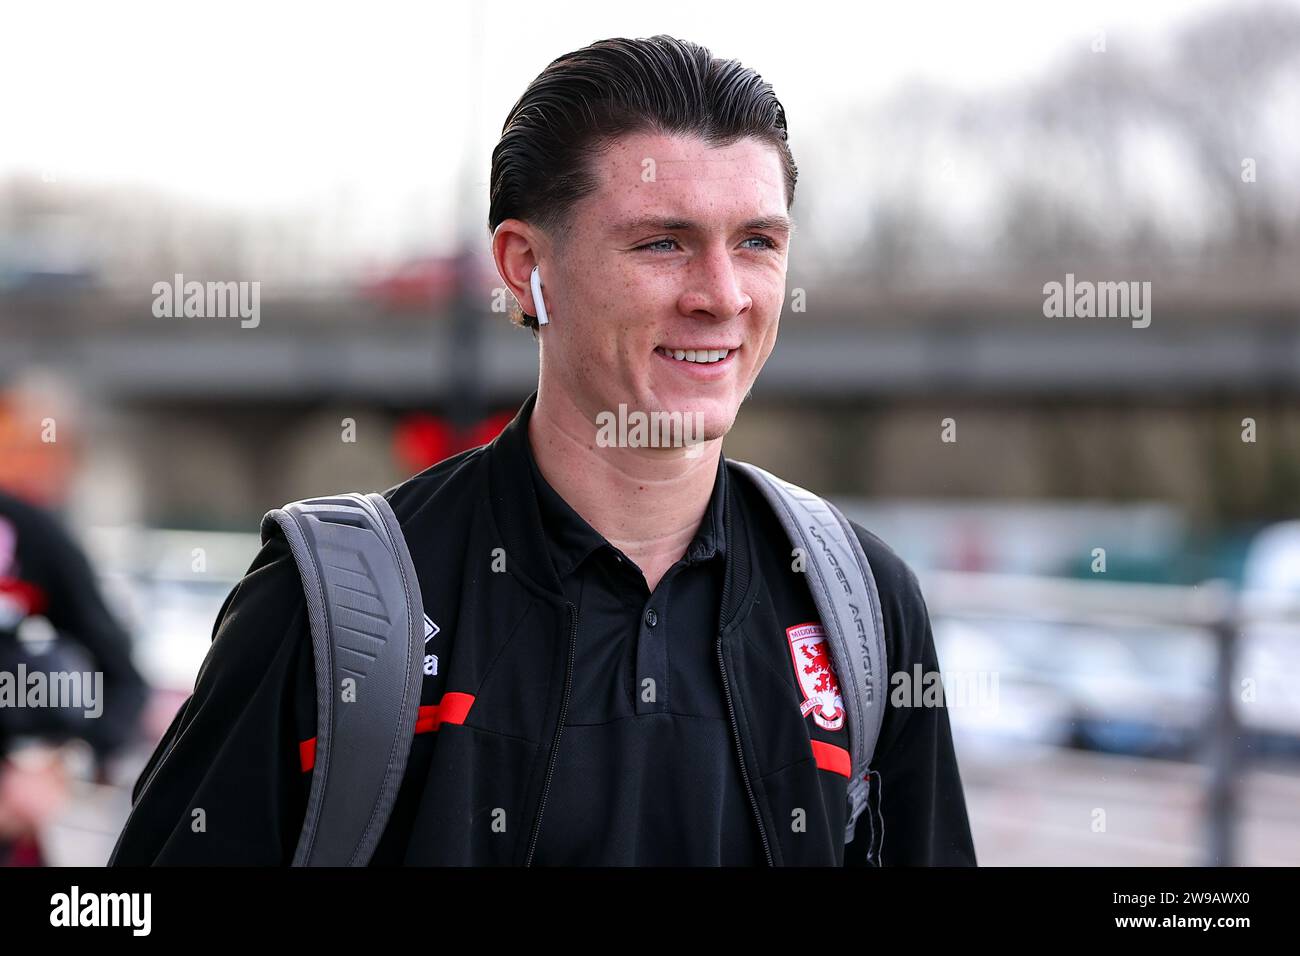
744	774
559	727
735	727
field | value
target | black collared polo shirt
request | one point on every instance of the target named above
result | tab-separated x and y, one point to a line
647	771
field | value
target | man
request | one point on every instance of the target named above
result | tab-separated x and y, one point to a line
45	574
613	671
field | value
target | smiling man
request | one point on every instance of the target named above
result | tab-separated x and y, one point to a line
666	283
624	664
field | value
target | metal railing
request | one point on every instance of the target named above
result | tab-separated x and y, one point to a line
1214	607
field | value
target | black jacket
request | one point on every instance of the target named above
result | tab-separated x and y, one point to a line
492	715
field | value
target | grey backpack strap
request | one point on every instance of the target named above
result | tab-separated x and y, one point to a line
366	615
844	591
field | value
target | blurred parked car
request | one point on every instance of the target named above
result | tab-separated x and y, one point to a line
1267	678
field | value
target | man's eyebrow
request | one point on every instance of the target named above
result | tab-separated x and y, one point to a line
778	223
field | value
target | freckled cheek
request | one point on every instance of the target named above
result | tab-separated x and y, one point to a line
603	345
612	302
642	292
632	307
767	310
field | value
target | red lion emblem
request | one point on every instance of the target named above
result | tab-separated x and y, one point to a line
820	666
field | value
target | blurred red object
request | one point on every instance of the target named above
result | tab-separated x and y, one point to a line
430	282
417	283
423	439
25	851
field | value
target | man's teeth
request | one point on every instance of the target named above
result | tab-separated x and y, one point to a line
703	356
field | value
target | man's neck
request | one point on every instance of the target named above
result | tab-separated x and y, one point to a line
647	502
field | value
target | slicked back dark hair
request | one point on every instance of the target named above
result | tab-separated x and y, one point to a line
586	99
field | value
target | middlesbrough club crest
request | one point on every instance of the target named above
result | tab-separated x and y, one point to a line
812	665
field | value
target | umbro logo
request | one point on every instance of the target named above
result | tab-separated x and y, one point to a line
430	660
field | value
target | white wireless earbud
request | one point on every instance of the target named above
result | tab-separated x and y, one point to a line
538	301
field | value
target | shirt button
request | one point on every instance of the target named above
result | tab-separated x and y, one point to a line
651	618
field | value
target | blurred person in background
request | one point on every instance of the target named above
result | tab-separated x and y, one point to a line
46	579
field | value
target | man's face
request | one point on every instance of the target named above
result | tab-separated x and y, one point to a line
683	247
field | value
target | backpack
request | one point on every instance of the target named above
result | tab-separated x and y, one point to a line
349	550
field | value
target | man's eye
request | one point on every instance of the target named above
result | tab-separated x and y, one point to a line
767	243
658	242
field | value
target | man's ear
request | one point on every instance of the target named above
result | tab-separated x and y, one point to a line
516	248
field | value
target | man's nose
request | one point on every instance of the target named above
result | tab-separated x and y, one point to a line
713	285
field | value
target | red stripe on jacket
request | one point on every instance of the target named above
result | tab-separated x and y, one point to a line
452	709
832	758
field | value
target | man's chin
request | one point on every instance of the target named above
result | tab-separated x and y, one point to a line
686	423
706	422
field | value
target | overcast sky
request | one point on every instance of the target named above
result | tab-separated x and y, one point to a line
373	107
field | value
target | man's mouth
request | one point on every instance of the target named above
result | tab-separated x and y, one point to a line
707	356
